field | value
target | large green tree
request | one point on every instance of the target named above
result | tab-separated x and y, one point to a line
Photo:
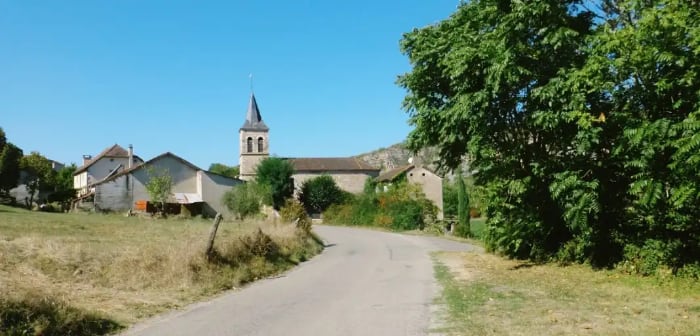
10	156
473	91
63	186
40	176
222	169
3	139
584	131
640	79
277	174
463	228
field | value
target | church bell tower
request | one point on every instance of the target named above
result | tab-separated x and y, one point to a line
254	141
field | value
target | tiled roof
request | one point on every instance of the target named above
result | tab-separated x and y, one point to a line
331	164
114	151
126	171
183	161
390	175
253	120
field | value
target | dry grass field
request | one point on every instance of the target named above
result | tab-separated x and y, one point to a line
488	295
113	270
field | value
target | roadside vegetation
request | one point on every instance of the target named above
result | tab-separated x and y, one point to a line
91	274
485	294
401	207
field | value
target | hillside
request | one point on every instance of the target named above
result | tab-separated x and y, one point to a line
398	155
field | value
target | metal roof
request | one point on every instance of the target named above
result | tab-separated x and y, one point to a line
253	120
394	173
331	164
114	151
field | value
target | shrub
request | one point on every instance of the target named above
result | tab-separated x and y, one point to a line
406	215
293	211
318	193
364	209
645	259
339	213
245	200
403	207
47	316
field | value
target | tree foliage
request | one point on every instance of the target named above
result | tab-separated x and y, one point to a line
10	157
63	185
245	200
277	174
222	169
449	199
3	139
39	175
463	228
159	186
318	193
403	206
581	119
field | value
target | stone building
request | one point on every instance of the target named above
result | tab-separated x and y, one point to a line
349	173
430	183
109	162
254	141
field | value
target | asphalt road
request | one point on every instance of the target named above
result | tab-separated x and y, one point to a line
364	283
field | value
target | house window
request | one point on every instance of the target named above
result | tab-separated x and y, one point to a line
260	145
250	145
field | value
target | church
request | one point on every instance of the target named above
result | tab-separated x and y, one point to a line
349	173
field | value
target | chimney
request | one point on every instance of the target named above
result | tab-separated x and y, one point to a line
86	159
131	156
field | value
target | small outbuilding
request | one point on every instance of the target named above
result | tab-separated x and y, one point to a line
430	183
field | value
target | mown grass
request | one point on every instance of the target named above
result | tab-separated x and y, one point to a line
488	295
109	270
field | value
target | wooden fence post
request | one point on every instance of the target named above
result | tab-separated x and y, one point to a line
212	235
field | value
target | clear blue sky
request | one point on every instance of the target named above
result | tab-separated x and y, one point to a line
79	76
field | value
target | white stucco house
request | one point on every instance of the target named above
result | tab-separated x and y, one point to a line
193	188
95	169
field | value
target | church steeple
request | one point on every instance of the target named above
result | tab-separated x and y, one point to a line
253	120
254	141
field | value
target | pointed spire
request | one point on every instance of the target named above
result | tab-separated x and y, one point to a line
253	120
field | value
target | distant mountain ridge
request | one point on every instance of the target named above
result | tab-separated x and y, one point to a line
397	155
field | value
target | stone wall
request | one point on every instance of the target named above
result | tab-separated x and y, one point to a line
350	181
430	183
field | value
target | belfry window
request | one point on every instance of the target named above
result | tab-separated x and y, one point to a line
260	145
250	145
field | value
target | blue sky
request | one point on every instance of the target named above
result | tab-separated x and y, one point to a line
79	76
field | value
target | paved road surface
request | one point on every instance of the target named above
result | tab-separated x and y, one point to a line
364	283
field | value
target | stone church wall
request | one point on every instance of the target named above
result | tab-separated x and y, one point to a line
353	182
